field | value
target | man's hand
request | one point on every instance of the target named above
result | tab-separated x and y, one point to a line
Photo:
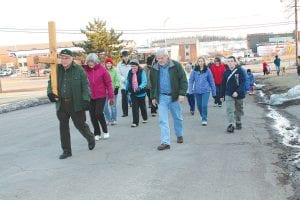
154	102
235	94
52	97
111	102
222	99
181	99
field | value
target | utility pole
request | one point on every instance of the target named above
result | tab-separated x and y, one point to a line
296	37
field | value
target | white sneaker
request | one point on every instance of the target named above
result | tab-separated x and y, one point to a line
114	123
145	121
204	123
106	135
97	137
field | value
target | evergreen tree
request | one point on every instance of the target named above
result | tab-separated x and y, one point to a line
100	40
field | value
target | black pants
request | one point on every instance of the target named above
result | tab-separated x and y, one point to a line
138	103
79	119
153	107
124	102
97	115
218	95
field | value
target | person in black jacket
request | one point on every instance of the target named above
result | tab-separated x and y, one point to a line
233	91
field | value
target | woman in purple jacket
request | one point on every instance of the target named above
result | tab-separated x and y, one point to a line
101	86
201	82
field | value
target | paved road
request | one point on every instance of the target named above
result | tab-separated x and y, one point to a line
209	165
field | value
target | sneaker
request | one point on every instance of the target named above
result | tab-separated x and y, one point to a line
97	137
145	121
133	125
114	123
220	105
163	147
230	128
238	126
124	115
215	104
153	114
192	112
180	139
204	123
106	135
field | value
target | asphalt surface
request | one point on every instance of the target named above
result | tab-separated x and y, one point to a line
209	165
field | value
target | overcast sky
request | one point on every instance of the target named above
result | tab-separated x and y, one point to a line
137	14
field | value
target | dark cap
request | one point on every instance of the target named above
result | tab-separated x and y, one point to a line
134	62
125	53
66	52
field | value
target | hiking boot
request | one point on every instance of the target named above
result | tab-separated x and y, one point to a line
163	147
230	128
180	139
238	126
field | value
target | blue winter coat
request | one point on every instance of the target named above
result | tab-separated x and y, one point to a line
236	83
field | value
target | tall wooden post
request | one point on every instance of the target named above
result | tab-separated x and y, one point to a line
52	59
53	54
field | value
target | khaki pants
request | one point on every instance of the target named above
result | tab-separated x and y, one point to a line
234	109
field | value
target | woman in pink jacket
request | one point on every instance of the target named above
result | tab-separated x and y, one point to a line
101	87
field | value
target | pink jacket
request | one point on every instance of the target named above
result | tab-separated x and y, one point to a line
100	82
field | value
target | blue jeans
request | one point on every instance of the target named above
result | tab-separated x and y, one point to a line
191	101
202	102
166	104
112	114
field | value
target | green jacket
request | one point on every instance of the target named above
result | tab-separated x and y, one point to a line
179	82
79	85
114	77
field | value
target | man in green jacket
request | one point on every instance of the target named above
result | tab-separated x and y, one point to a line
168	89
72	101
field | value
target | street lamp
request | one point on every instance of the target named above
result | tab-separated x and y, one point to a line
164	24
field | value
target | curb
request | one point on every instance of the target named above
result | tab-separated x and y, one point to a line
8	107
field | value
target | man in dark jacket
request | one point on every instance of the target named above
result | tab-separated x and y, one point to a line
168	89
72	101
233	91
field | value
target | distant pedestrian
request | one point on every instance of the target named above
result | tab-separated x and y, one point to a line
136	86
265	68
277	64
190	97
101	87
233	92
149	64
201	83
72	101
168	89
110	111
123	69
251	81
217	70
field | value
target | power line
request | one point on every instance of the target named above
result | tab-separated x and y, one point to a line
152	30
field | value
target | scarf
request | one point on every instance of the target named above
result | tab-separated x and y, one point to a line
135	83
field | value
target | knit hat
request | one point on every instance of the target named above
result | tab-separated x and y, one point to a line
134	62
108	60
66	52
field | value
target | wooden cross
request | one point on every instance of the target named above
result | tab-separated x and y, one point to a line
52	58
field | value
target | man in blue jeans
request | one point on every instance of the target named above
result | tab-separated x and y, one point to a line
168	90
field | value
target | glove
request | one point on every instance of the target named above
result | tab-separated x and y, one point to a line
116	91
52	97
86	105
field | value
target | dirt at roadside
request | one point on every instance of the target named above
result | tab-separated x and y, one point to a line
274	84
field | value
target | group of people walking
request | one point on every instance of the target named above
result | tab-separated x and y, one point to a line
95	87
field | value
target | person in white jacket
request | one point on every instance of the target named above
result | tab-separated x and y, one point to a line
123	69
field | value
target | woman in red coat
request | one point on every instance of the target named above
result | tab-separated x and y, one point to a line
101	87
